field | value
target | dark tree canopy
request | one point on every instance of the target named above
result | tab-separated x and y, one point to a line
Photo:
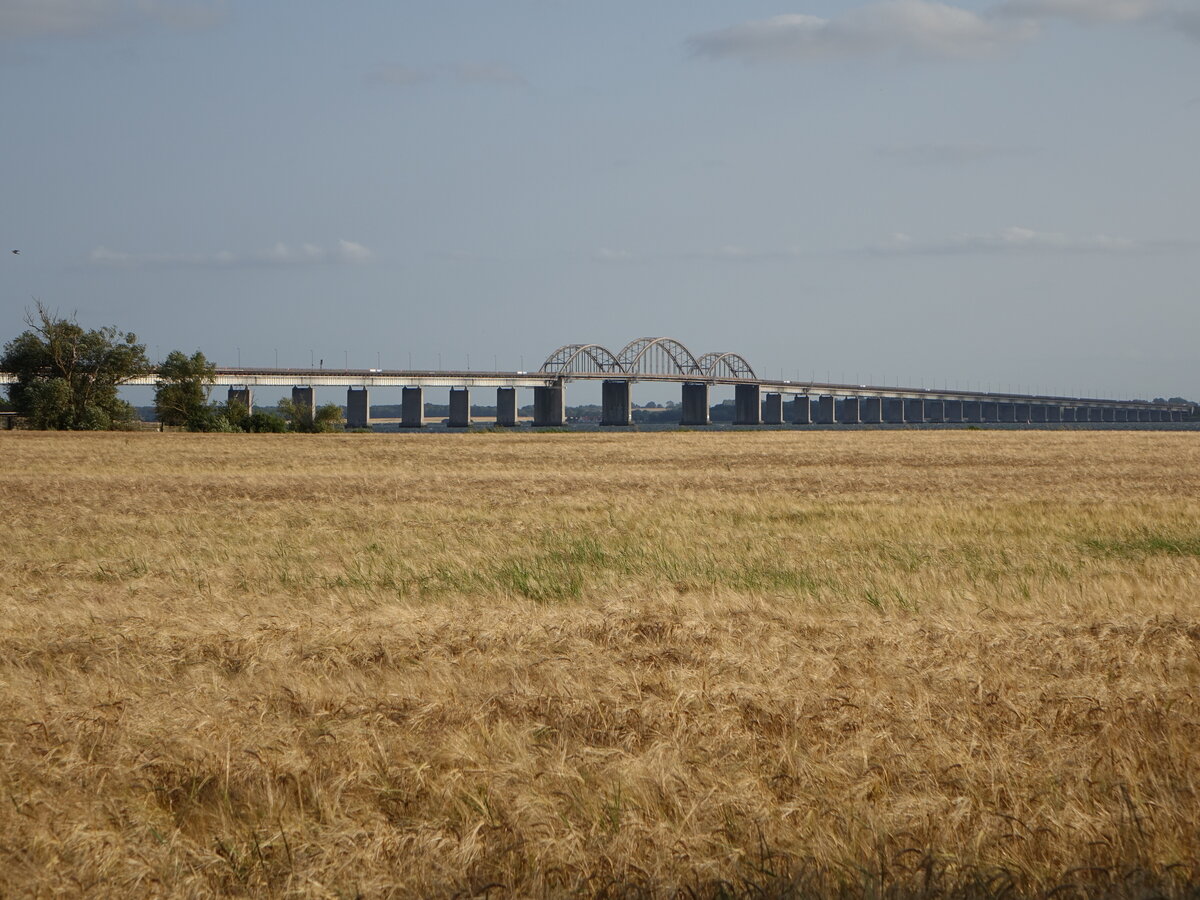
181	395
302	418
68	377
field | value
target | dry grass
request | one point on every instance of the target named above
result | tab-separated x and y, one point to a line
770	664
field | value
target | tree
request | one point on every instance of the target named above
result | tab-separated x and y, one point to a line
67	377
301	417
181	395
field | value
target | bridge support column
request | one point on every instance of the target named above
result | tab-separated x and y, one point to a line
1021	413
772	413
894	410
1177	415
695	404
1143	415
616	405
935	410
1108	414
747	407
1007	412
1095	414
1066	414
1038	413
914	411
506	407
872	410
242	395
826	410
358	408
952	411
851	411
802	410
972	411
412	407
990	411
460	408
1120	414
549	406
304	399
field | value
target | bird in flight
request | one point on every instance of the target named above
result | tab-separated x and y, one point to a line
16	253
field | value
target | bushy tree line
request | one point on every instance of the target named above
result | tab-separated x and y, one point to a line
68	378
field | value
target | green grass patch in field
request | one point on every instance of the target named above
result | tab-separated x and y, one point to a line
1142	544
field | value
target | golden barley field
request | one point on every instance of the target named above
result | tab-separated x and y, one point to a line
775	664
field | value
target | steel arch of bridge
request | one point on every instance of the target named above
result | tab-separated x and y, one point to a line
658	356
646	356
726	365
587	359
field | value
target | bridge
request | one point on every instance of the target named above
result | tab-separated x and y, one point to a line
757	401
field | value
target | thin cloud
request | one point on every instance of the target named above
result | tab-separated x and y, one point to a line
487	73
897	28
1020	240
732	253
948	154
1083	11
74	18
397	74
281	254
1186	22
924	29
463	73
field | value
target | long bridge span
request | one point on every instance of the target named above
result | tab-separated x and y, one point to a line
757	401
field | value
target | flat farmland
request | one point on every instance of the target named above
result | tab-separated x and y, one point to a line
776	664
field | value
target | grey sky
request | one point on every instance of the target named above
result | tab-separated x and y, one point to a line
978	193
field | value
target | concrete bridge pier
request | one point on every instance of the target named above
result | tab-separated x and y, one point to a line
802	410
914	411
460	408
1108	414
1095	414
1143	415
358	408
851	411
826	410
871	409
952	411
1066	413
747	404
1022	413
506	407
972	411
935	410
1177	415
1121	415
616	404
772	413
242	395
695	404
304	399
990	411
412	407
549	406
893	411
1007	412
